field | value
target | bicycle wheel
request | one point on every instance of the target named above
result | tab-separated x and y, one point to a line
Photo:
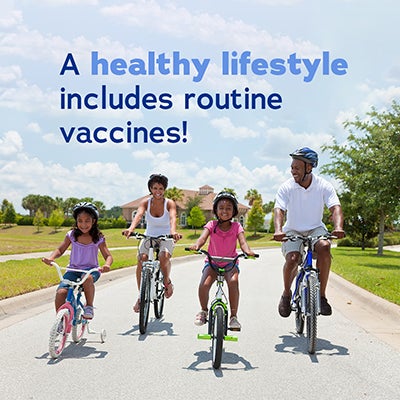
79	326
299	317
217	336
312	313
144	300
58	333
159	295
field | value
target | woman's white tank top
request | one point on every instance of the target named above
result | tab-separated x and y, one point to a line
156	226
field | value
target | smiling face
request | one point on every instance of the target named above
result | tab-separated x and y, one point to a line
225	210
299	169
84	222
157	190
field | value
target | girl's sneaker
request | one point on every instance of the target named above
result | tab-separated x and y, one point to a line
234	324
201	318
88	312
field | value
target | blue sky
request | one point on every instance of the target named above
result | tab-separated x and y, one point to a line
237	148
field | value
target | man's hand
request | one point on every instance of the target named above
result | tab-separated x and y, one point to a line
279	236
339	233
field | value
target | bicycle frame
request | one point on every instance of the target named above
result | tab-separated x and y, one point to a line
151	284
306	298
218	313
303	277
69	315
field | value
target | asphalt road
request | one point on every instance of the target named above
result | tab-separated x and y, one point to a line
357	357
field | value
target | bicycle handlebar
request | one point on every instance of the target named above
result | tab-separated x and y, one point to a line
307	238
229	260
138	235
86	272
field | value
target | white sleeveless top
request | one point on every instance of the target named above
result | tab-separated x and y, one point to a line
156	226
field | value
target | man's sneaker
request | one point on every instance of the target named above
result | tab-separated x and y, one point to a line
234	324
201	318
326	309
284	307
88	312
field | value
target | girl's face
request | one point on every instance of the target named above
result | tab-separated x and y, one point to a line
84	222
225	210
157	190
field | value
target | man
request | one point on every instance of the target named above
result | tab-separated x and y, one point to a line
301	199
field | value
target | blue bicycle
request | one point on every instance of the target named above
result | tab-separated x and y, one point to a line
69	316
306	300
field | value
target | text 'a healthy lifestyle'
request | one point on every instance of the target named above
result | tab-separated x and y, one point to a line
232	63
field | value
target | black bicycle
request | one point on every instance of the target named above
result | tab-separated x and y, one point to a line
152	288
306	300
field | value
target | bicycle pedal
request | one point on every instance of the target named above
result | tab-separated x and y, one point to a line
235	329
231	338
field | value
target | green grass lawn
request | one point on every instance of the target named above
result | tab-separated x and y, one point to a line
379	275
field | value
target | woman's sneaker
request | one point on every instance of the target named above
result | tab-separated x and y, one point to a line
201	318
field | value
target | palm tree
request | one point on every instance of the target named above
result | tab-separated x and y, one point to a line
174	194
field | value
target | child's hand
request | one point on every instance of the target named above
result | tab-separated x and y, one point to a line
47	261
194	247
105	268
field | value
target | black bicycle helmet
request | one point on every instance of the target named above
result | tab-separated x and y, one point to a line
307	155
85	206
157	178
227	196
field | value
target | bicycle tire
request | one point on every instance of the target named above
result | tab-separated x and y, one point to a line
144	301
78	326
159	295
299	317
312	313
217	336
58	334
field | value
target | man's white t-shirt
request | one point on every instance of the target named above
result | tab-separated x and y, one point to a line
304	207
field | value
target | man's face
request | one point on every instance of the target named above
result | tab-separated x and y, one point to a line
299	169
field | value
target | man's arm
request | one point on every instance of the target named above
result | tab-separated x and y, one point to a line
337	218
279	217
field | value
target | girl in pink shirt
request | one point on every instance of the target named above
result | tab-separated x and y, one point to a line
224	235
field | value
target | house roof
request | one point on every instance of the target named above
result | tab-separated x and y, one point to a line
206	193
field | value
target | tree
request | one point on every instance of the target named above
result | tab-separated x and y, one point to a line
9	216
193	202
252	195
31	203
38	220
269	207
255	219
174	194
196	218
368	165
231	191
56	219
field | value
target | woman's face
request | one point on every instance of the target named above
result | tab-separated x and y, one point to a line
157	190
84	222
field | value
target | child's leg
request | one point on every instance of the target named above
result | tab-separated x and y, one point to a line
61	296
232	279
207	279
88	288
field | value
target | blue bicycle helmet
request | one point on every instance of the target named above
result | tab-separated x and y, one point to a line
307	155
85	206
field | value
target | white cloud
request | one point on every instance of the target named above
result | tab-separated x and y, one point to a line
11	143
227	130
